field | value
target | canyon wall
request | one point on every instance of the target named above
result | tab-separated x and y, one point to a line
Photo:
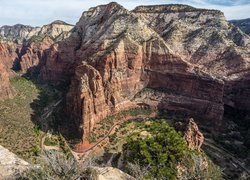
170	57
121	58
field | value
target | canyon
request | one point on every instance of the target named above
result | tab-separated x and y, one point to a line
190	60
166	57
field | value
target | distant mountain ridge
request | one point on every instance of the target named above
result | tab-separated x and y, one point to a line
243	24
20	33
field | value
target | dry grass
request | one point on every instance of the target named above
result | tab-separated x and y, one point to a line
18	132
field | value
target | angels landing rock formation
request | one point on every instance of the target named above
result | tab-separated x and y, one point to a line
118	57
172	57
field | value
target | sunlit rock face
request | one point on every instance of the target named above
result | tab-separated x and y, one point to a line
25	49
118	55
10	165
172	57
22	33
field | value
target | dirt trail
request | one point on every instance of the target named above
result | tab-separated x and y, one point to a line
47	111
83	151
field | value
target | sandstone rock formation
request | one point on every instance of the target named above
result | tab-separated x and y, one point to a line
9	52
28	56
193	136
171	56
201	37
118	56
8	56
205	38
33	55
10	165
16	33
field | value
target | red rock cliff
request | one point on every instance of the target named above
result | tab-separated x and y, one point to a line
119	55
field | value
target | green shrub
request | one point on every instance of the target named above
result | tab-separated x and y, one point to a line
92	138
161	149
36	151
50	142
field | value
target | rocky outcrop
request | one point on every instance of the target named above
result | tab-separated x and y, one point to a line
193	136
10	165
243	24
109	173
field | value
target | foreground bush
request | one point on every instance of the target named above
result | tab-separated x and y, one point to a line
160	149
159	152
56	166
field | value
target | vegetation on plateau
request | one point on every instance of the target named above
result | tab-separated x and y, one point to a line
157	150
160	148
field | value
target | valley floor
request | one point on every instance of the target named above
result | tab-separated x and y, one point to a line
19	117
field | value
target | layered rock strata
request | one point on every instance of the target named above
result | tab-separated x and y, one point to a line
189	59
118	56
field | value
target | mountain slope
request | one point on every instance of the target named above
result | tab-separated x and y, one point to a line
243	24
202	37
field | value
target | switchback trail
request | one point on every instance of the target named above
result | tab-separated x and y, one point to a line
83	152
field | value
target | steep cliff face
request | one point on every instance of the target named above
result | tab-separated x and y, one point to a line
8	57
118	56
25	49
9	54
5	89
36	42
33	55
204	38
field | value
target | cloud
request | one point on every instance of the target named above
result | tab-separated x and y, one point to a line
39	12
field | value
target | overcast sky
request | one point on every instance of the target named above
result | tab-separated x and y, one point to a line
39	12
